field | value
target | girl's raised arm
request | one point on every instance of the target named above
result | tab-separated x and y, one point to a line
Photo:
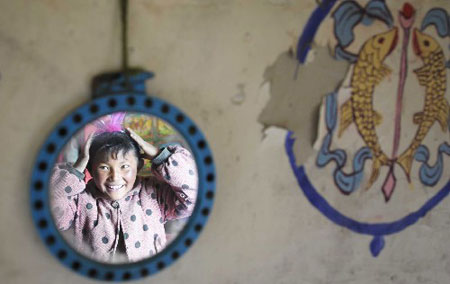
176	183
176	180
66	182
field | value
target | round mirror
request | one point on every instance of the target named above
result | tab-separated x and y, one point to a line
122	187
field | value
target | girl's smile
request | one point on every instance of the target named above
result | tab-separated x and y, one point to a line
114	187
115	176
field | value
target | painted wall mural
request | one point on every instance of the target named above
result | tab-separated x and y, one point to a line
383	136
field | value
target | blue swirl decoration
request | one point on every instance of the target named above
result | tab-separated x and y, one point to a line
348	15
347	182
440	19
431	174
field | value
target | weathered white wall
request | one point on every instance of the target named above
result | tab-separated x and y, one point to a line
209	57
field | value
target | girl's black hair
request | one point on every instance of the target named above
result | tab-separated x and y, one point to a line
109	144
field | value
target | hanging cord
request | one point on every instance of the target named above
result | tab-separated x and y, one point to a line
124	20
122	81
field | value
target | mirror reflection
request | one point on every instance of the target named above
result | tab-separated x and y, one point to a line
123	187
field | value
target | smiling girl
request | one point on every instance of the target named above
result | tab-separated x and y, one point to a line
119	216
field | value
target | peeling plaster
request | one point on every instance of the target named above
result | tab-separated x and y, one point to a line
296	92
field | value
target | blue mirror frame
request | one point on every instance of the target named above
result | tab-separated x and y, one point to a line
113	99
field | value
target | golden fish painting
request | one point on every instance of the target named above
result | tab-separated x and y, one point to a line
368	71
382	159
433	76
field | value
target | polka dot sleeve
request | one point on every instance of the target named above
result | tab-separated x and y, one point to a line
65	185
176	183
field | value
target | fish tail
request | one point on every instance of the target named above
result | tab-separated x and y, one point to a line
405	162
377	163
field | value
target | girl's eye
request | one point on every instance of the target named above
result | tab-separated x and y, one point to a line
125	166
105	168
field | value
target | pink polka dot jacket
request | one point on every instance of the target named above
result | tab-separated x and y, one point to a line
137	220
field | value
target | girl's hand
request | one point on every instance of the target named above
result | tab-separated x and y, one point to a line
83	158
150	151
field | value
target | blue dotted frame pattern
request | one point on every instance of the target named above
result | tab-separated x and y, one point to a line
39	186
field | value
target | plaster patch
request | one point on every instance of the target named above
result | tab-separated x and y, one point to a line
296	92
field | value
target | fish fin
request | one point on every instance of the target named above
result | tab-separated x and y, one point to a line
443	114
377	118
422	74
383	72
405	161
418	117
346	111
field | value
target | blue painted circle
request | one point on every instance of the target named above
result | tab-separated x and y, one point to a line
378	230
374	229
39	185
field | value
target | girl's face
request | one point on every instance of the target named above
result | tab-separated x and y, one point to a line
115	177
